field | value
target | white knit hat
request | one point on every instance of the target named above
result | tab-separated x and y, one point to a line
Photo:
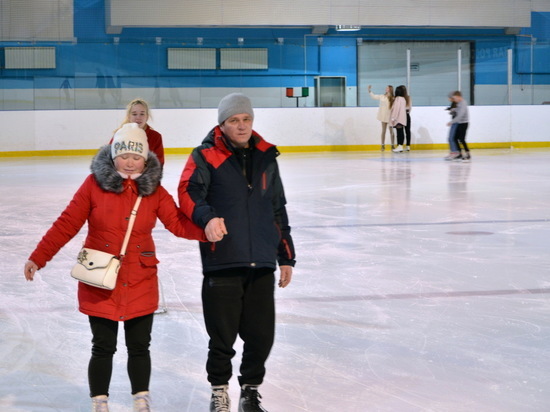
130	138
232	104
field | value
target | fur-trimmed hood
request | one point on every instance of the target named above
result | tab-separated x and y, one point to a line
107	177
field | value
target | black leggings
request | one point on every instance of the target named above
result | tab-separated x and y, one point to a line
138	337
408	129
460	137
400	131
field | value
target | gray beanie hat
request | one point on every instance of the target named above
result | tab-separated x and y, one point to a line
232	104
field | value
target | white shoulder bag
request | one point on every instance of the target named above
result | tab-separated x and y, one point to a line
100	269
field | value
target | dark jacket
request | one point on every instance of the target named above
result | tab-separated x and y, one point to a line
105	200
214	184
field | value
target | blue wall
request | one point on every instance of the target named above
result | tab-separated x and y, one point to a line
138	61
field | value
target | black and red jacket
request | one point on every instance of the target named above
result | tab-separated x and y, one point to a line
213	184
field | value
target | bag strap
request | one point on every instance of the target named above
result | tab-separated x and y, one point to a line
130	227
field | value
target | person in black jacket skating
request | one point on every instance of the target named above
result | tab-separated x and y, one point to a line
231	187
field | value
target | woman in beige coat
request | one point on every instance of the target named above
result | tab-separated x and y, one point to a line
383	115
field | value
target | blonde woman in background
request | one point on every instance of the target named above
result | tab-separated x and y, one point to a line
138	112
383	115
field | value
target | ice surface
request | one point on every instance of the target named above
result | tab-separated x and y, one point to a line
421	285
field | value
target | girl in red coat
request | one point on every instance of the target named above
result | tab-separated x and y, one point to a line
138	112
120	172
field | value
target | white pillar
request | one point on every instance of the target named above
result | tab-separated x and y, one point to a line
409	71
459	70
510	68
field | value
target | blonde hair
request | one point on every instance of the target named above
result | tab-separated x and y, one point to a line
129	108
390	94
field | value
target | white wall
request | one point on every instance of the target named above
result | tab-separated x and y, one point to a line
44	20
185	128
167	13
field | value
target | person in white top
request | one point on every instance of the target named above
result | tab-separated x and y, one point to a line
461	120
383	115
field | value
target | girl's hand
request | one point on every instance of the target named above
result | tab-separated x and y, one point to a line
30	269
215	230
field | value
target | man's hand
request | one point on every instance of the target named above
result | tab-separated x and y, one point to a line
286	276
215	229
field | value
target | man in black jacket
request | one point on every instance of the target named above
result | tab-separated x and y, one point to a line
231	187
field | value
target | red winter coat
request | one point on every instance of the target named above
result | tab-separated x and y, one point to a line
154	139
105	200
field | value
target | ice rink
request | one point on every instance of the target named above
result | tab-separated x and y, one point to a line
421	285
